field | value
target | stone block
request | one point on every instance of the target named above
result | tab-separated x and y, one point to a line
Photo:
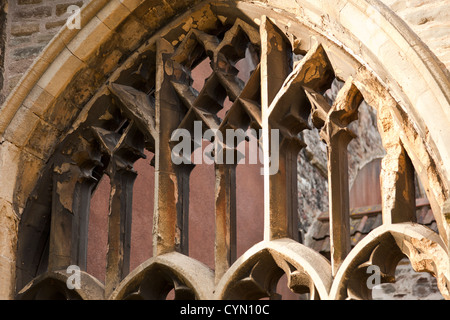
29	169
38	100
9	167
8	230
55	24
131	32
131	4
18	133
111	62
152	15
27	52
61	9
60	73
113	14
89	39
34	13
25	2
21	30
43	140
367	27
7	277
62	116
18	67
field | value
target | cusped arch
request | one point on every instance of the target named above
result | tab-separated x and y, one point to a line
50	98
156	277
383	248
54	286
256	273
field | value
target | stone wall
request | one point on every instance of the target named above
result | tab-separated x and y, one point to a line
409	285
30	25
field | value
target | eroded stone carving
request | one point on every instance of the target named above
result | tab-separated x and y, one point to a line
145	104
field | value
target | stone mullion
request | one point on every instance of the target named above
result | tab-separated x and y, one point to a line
63	223
337	137
171	190
72	188
82	198
292	189
225	181
289	109
123	149
225	218
119	224
182	226
397	184
279	198
276	65
283	187
338	186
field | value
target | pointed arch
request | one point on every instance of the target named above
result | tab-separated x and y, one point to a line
58	92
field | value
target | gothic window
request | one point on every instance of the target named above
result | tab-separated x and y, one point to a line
151	96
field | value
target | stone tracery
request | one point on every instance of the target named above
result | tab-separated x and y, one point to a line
278	95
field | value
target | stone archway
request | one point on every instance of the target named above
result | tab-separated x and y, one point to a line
58	93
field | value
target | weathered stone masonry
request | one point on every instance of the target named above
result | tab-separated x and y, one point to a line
30	25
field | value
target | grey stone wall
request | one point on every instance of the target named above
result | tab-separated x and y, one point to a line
312	166
3	9
409	285
312	181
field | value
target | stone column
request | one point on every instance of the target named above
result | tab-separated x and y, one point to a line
3	19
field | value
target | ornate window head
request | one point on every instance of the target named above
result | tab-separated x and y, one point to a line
151	95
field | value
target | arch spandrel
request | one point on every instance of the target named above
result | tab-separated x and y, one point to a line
66	71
